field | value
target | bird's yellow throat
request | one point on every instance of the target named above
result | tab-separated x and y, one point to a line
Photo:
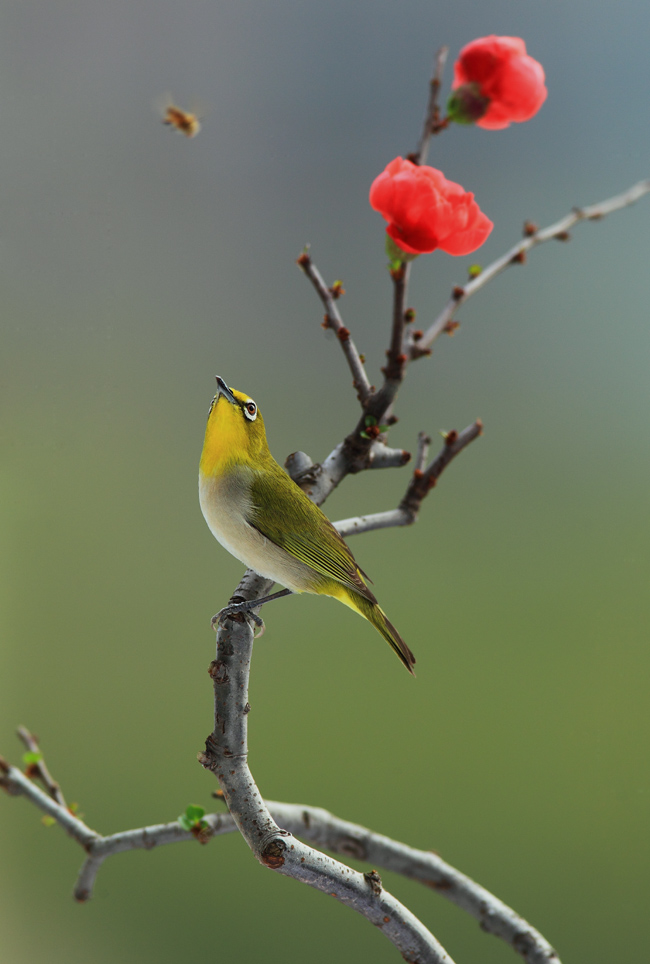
229	439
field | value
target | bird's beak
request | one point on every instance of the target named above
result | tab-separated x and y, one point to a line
222	389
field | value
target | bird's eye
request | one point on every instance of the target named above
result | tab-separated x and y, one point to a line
250	411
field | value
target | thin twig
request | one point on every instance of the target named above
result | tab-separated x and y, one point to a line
421	483
144	838
38	768
334	321
396	359
15	782
358	524
517	254
383	457
432	123
100	847
422	452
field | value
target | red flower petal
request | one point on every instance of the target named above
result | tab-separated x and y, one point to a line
512	81
425	211
478	59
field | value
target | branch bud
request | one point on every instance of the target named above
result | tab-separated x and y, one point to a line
373	879
303	260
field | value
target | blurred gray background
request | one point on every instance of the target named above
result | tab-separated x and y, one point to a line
134	266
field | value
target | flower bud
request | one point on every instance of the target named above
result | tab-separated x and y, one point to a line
503	73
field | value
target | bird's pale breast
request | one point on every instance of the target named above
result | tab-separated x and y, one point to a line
226	504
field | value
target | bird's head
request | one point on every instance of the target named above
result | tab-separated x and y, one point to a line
235	433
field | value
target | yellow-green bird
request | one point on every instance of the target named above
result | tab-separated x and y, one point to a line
259	514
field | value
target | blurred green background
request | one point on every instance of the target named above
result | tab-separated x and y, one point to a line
134	265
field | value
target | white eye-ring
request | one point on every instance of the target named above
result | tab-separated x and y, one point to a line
250	410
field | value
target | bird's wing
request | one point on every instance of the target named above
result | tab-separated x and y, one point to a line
282	513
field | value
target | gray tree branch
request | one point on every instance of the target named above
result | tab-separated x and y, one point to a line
320	827
225	755
419	347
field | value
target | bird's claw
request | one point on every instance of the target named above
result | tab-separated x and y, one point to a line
236	609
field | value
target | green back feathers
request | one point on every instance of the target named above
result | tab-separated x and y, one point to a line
287	517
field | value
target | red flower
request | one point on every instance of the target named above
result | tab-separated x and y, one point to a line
499	70
425	211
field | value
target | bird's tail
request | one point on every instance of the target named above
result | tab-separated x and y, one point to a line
375	615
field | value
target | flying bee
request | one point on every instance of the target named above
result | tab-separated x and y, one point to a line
183	121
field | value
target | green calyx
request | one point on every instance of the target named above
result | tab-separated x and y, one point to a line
397	257
467	104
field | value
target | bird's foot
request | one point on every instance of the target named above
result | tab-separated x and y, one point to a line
246	606
235	609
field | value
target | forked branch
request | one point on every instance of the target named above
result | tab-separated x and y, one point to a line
321	828
421	483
